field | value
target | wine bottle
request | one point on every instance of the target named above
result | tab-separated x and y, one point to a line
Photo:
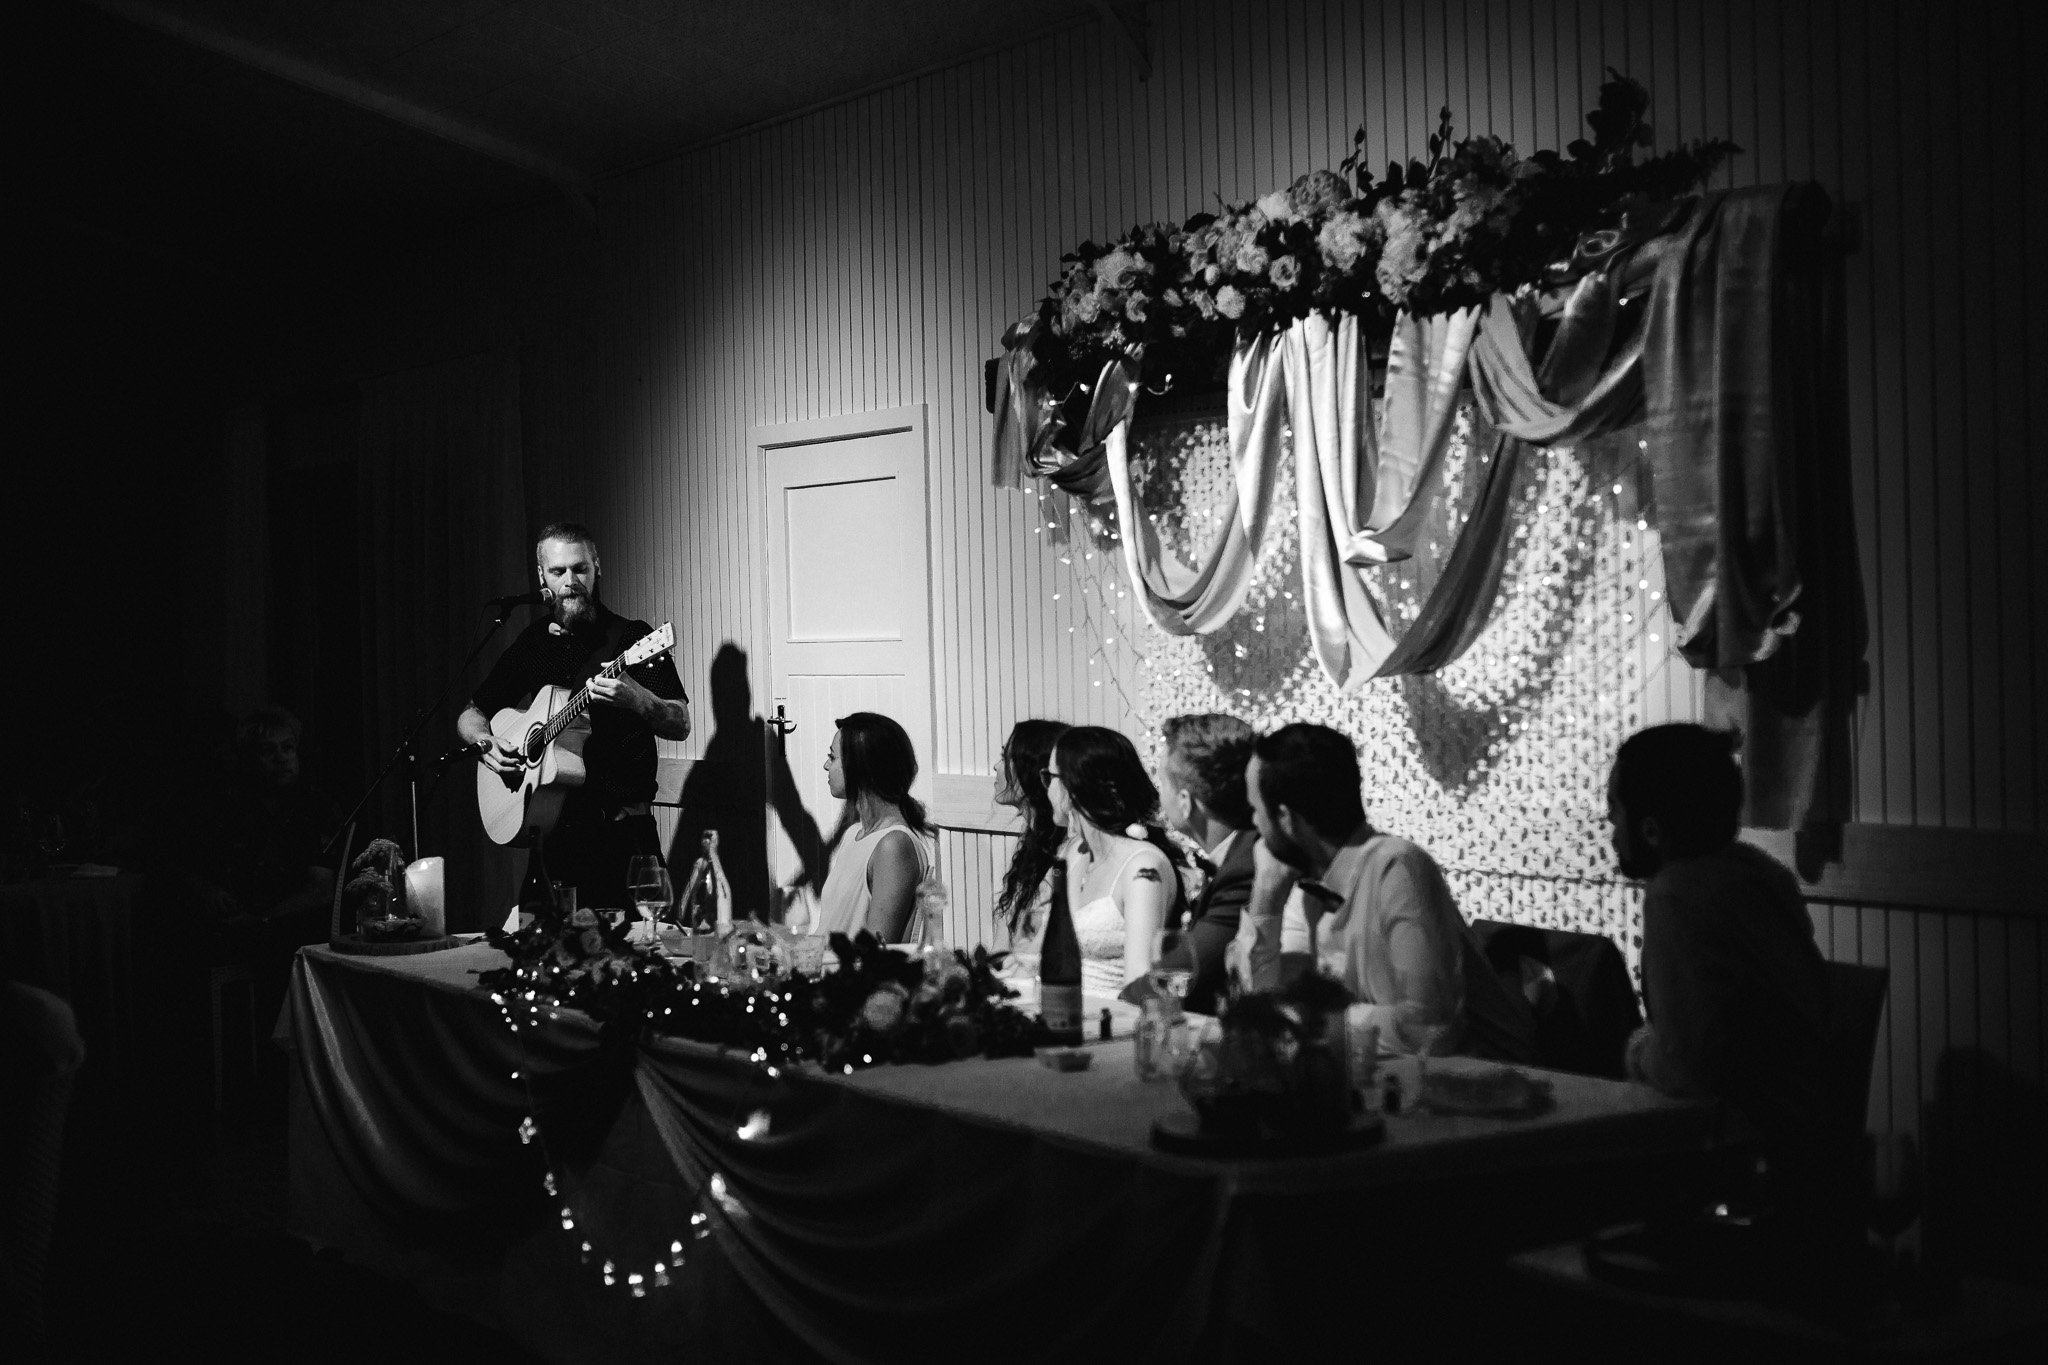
721	888
697	911
1059	968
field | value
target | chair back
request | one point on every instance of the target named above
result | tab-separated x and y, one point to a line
41	1037
1855	1004
1587	1028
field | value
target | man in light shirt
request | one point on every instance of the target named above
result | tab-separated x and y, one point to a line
1380	916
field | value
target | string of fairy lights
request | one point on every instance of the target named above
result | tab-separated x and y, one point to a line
525	1006
1497	759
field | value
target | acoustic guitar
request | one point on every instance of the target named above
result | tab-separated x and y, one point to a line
549	732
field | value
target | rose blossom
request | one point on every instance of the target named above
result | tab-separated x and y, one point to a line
1277	206
1230	302
1285	272
883	1011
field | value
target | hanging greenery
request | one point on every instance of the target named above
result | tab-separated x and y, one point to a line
1474	220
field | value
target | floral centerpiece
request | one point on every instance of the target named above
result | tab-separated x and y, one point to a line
878	1005
374	895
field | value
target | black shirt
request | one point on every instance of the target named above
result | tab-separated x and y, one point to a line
619	756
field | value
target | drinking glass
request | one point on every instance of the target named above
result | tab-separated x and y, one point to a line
807	954
1173	967
649	882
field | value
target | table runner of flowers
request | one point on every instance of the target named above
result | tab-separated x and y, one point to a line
878	1005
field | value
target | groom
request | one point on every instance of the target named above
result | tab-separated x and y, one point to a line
1202	794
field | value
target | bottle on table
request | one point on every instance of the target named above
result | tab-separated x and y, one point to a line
721	889
1059	968
699	909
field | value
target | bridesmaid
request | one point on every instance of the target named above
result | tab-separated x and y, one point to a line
1125	884
1020	785
885	847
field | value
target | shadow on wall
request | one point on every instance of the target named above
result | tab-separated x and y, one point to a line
1987	1188
743	774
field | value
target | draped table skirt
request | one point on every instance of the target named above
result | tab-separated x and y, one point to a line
998	1204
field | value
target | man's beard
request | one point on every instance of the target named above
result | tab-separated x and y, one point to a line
1289	852
1637	863
575	610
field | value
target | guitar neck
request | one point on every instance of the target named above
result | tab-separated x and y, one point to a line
579	703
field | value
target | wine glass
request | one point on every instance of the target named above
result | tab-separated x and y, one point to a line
649	882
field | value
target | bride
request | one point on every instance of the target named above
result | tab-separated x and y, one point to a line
1124	874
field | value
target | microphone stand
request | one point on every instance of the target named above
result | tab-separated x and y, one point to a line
407	751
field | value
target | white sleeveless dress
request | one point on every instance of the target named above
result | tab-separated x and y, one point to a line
1099	926
843	904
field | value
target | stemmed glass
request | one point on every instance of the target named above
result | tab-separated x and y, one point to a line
651	892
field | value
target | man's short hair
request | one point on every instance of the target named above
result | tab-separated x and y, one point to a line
1208	754
1313	771
1686	777
268	720
565	530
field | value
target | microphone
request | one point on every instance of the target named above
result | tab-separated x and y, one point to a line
538	597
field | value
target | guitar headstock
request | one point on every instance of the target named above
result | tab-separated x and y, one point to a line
651	645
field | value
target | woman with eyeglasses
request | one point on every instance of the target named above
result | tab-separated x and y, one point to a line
884	847
1020	785
1129	886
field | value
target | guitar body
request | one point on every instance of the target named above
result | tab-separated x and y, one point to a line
520	808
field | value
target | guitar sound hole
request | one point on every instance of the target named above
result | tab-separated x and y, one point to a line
533	745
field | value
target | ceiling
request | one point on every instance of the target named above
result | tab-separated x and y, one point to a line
231	135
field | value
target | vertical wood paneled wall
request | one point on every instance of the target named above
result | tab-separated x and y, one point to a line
869	256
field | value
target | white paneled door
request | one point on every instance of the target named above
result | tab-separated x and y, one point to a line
849	592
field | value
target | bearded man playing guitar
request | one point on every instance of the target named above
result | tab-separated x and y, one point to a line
609	818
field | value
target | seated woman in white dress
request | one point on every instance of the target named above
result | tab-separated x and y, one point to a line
1124	880
1020	785
884	847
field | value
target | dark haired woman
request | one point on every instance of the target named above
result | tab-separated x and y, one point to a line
885	849
1020	785
1129	887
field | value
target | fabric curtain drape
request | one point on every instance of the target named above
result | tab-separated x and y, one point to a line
1729	368
1359	489
1747	434
442	517
1185	601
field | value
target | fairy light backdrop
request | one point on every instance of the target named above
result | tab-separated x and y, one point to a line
1498	763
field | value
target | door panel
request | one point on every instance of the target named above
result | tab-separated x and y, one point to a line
849	592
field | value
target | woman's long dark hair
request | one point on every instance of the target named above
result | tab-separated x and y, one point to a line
1107	782
877	760
1030	744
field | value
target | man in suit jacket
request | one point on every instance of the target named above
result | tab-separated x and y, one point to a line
1202	794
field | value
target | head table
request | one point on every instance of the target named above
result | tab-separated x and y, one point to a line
607	1198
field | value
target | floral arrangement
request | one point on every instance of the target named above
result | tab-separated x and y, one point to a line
878	1005
374	895
1473	220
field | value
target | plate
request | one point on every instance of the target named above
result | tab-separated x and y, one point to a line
1499	1092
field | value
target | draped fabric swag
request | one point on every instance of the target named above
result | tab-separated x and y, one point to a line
800	1216
1714	338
